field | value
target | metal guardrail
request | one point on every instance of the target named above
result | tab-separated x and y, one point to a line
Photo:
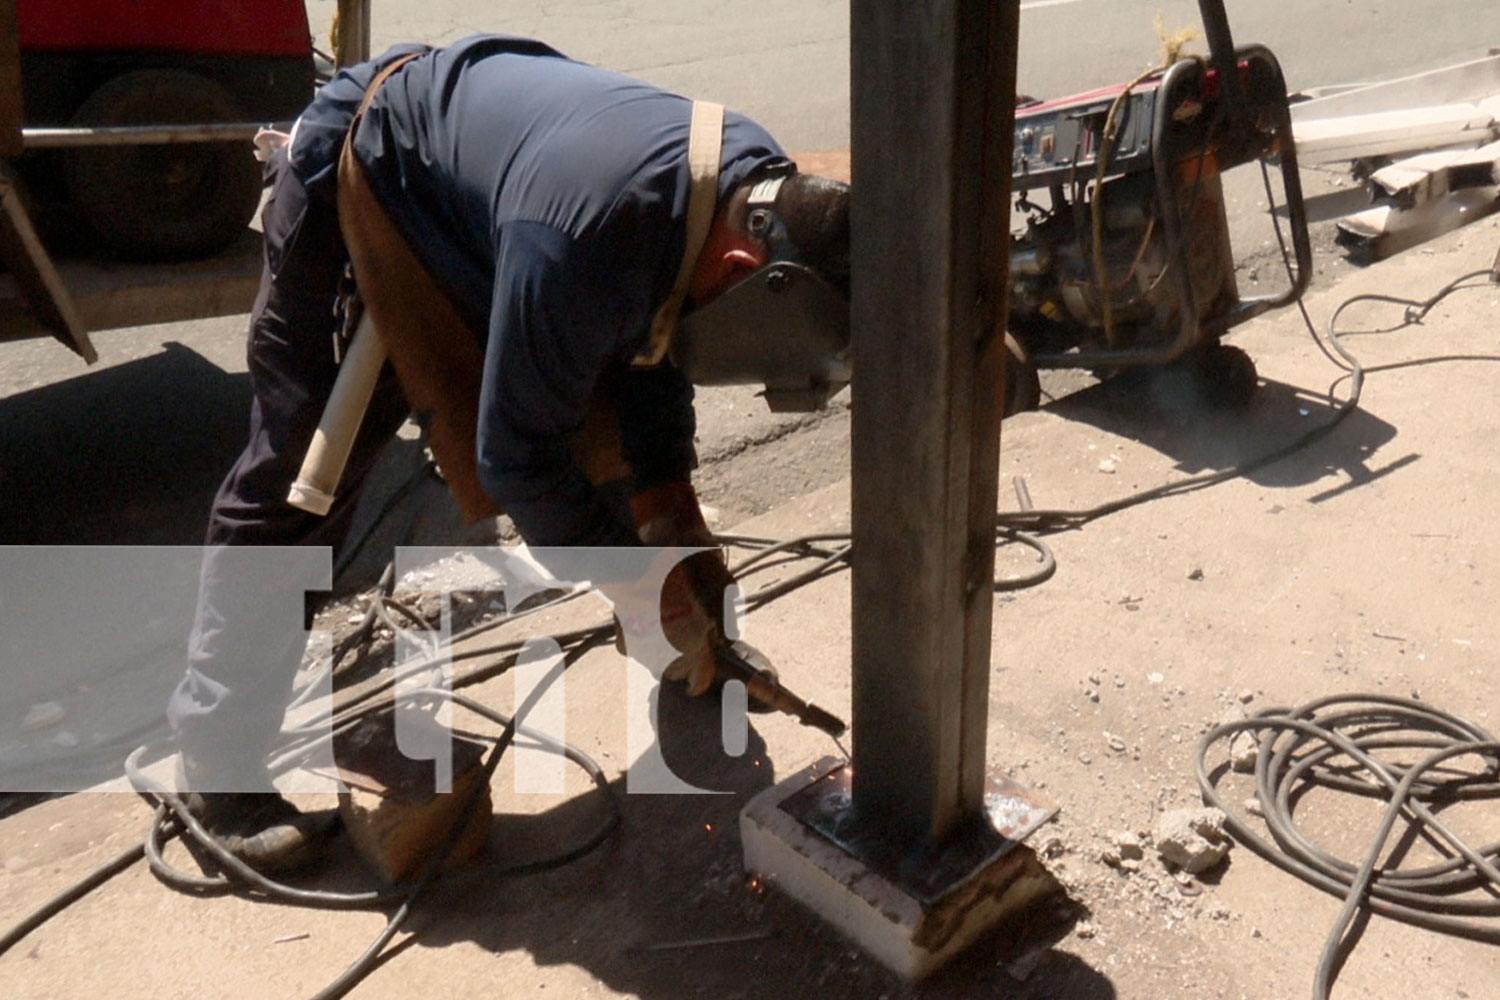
131	135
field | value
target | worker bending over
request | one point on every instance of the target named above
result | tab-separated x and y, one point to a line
519	229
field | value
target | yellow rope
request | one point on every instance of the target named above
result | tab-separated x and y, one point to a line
1173	44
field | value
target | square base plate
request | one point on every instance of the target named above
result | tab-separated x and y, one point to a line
913	913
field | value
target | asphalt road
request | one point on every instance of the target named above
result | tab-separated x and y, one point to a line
137	442
786	62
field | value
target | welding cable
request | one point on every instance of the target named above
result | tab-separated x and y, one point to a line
360	635
367	961
386	584
833	557
1044	521
1335	743
1038	576
1055	520
1415	312
444	653
171	817
70	895
508	617
1108	138
422	635
1012	526
830	558
237	873
364	628
831	550
828	561
242	876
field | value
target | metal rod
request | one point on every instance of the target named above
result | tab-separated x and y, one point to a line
353	42
142	135
1221	54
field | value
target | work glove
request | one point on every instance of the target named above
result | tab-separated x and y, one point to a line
692	611
693	595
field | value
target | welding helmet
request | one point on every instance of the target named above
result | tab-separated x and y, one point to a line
783	327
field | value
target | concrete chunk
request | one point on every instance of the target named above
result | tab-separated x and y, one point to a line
1192	839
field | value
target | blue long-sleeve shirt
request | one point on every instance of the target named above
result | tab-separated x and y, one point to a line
548	197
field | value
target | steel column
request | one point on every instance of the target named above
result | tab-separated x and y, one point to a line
933	102
353	43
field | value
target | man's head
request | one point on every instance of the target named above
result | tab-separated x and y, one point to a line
770	291
813	217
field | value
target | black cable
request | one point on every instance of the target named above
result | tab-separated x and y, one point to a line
172	810
1021	526
366	962
1038	576
172	818
70	895
1297	749
238	873
1406	791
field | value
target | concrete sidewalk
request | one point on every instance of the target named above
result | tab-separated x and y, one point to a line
1364	563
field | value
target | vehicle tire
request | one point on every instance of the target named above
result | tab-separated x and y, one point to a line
164	201
1023	388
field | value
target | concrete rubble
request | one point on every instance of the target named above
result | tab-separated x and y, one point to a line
1192	839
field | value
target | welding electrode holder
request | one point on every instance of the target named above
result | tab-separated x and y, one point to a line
766	689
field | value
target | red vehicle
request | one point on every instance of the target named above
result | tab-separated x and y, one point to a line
154	62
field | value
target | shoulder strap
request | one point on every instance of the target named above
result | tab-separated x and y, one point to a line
380	78
705	143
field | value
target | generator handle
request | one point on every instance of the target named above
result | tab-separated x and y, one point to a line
1285	150
1164	160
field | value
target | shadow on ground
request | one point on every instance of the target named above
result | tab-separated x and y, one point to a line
665	910
125	455
1165	409
133	455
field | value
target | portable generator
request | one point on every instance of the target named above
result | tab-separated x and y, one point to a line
1126	261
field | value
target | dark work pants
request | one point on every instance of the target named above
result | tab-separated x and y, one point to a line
247	639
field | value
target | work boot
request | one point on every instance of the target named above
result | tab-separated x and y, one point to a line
264	830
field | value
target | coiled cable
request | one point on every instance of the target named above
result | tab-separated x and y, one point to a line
1374	746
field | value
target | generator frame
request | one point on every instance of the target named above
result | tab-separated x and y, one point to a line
1244	117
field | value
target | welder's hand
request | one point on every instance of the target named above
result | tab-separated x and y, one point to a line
692	598
692	586
687	606
669	515
692	618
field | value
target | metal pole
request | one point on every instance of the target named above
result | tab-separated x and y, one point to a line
354	32
11	111
1222	55
142	135
933	103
